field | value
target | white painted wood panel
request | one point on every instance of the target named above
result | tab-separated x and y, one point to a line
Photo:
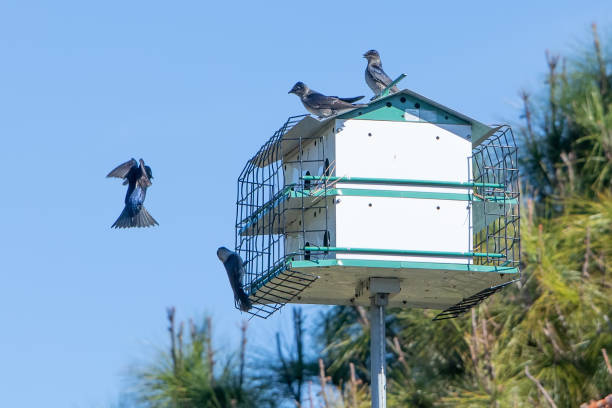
400	150
400	223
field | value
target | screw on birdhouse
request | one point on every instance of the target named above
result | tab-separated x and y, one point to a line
437	137
388	104
446	117
438	207
417	105
403	100
370	134
369	204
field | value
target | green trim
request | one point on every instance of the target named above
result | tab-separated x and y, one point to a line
286	193
429	111
387	90
261	282
370	263
402	252
359	192
392	108
431	183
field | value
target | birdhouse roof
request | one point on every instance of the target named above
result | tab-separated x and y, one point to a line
402	106
480	131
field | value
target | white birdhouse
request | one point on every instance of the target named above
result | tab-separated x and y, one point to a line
404	189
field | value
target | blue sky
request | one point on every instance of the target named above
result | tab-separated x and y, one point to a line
194	88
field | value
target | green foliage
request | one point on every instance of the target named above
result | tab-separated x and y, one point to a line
288	368
186	376
567	137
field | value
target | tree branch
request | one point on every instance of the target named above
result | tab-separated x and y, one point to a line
541	388
605	356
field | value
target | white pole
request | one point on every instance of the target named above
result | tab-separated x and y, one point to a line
378	368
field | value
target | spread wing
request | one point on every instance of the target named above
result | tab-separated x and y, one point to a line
123	169
379	75
319	101
144	178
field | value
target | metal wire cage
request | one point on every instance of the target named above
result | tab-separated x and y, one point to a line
496	208
270	210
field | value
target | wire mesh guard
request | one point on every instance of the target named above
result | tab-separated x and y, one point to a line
469	302
274	194
270	211
496	210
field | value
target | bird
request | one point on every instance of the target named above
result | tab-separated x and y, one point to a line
321	105
375	76
234	266
138	178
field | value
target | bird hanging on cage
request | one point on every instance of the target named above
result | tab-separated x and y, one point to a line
375	76
138	178
322	105
234	266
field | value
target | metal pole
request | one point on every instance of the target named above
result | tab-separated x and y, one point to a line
378	370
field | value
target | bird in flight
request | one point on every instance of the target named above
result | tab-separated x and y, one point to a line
138	178
375	76
322	105
234	266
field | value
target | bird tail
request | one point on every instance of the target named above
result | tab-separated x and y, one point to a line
130	218
244	303
351	100
360	105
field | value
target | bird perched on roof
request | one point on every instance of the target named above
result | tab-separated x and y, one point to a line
375	76
322	105
138	177
234	266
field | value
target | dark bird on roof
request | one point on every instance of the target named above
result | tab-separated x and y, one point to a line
234	266
138	178
322	105
375	76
